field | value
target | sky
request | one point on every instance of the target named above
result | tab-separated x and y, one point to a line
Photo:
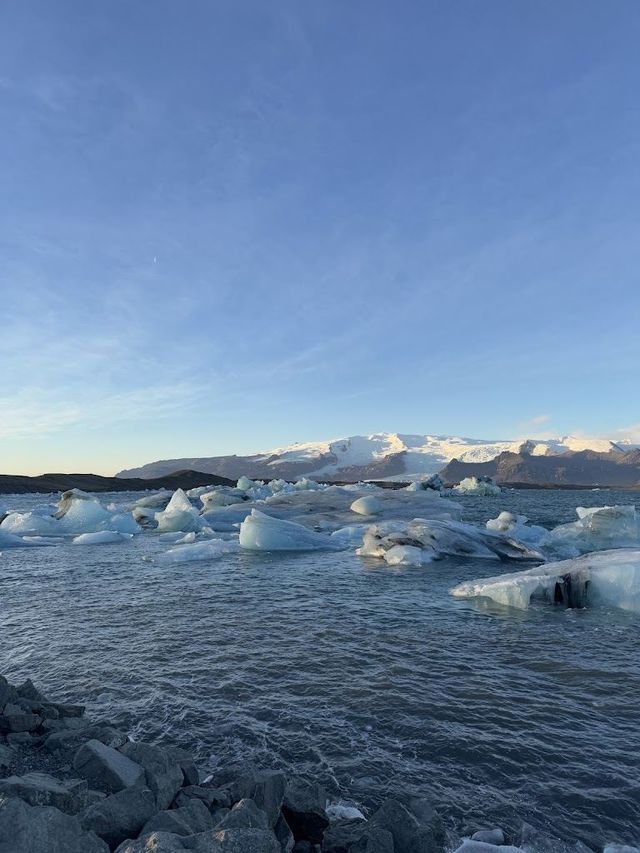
229	226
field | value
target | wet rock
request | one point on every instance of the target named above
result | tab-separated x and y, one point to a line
489	836
14	718
120	815
405	829
357	836
246	841
283	834
7	692
106	768
73	739
7	757
213	798
265	787
70	710
28	690
43	829
17	739
163	775
304	810
244	815
162	842
190	774
193	818
41	789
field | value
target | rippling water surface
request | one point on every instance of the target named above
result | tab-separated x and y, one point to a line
370	678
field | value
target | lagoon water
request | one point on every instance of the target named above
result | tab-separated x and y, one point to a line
370	678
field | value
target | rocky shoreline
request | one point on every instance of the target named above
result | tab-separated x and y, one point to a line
72	785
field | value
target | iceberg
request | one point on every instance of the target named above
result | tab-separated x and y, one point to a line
597	529
478	486
10	540
102	537
433	483
77	512
222	497
368	505
516	526
408	555
180	514
610	578
155	499
261	532
211	549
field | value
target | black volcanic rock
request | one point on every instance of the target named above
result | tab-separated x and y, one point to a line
47	483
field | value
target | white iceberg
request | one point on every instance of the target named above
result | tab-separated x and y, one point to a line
155	499
180	514
77	512
606	577
408	555
221	497
10	540
517	526
478	486
597	529
433	483
368	505
102	537
211	549
261	532
351	535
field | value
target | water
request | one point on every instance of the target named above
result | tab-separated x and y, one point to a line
371	679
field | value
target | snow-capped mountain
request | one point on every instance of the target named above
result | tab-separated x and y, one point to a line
381	455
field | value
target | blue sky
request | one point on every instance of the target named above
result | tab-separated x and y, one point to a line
227	226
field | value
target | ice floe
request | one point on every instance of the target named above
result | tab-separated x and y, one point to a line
609	578
210	549
102	537
11	540
597	529
261	532
367	505
478	486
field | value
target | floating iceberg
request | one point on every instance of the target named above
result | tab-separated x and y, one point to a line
155	500
10	540
606	577
211	549
368	505
222	497
433	483
516	526
597	529
102	537
439	538
408	555
77	512
351	535
180	514
478	486
261	532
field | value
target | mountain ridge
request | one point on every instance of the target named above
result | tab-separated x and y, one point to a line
376	456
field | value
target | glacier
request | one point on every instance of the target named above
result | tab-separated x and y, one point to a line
610	578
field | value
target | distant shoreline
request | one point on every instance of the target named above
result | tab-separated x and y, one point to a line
11	484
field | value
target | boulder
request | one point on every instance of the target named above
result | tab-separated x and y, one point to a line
408	835
244	815
7	692
120	815
283	834
72	739
431	830
161	842
43	829
14	718
193	818
357	836
190	774
246	841
163	774
266	788
304	810
17	739
106	768
213	798
41	789
28	690
7	757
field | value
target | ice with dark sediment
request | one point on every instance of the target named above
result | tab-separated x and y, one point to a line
77	512
604	578
478	486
